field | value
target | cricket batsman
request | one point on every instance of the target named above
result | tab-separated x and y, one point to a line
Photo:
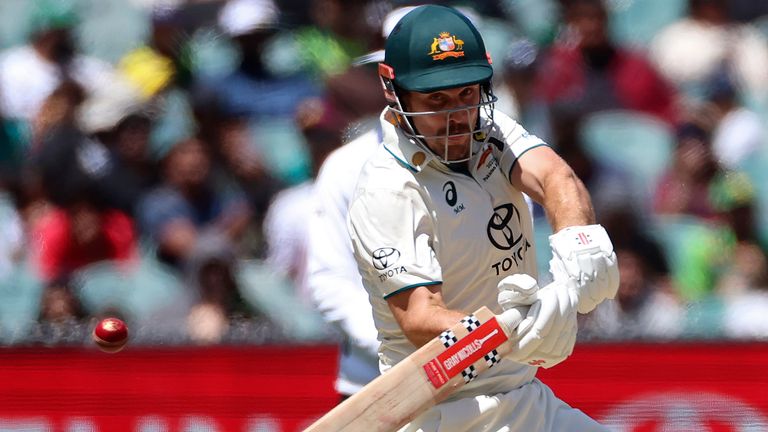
440	228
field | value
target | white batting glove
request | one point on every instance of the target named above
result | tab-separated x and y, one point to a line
517	295
547	334
583	259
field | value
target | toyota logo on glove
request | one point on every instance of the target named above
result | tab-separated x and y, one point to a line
385	257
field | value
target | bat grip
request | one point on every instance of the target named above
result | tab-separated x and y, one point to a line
511	318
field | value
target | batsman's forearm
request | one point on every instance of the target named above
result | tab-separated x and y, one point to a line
566	200
429	322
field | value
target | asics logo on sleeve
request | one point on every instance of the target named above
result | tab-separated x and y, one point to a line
385	257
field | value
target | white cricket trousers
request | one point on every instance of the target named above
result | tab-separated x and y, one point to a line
530	408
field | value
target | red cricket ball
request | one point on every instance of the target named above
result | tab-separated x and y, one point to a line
110	335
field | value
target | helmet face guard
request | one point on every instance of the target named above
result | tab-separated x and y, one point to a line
477	133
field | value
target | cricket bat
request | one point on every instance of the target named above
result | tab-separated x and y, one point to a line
423	379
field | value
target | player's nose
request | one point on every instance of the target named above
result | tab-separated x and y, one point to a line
460	117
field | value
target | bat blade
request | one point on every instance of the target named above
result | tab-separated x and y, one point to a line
423	379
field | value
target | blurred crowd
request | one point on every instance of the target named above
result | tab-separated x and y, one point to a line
157	156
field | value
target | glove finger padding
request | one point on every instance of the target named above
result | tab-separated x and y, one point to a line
517	290
519	319
527	340
561	324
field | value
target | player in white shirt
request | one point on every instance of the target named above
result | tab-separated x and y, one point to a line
333	280
440	227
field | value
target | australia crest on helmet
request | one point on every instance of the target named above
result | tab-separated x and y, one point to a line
446	45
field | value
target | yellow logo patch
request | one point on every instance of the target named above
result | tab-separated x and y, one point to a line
447	45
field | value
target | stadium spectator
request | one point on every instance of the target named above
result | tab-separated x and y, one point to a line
688	52
733	196
80	226
237	159
739	132
584	71
68	238
161	69
120	119
516	91
644	308
163	61
631	232
349	92
62	316
338	34
684	188
29	73
720	203
253	90
196	223
69	164
189	203
219	302
744	314
646	305
58	109
743	276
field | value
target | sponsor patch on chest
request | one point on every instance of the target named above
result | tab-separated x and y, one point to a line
506	233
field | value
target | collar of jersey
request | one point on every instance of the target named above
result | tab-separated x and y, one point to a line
402	148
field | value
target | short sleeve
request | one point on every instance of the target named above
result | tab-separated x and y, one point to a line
510	141
392	237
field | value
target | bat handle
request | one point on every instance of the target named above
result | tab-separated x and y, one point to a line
511	318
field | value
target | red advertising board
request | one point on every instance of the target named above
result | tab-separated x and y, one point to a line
667	387
629	387
165	390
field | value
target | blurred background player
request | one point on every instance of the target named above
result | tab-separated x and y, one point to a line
333	279
285	226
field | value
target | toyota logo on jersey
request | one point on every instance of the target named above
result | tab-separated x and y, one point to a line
504	230
385	257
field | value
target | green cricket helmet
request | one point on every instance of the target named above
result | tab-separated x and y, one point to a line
436	48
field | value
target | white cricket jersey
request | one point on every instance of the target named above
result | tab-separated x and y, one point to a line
414	222
332	278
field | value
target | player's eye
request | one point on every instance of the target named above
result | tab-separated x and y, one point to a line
467	92
436	97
